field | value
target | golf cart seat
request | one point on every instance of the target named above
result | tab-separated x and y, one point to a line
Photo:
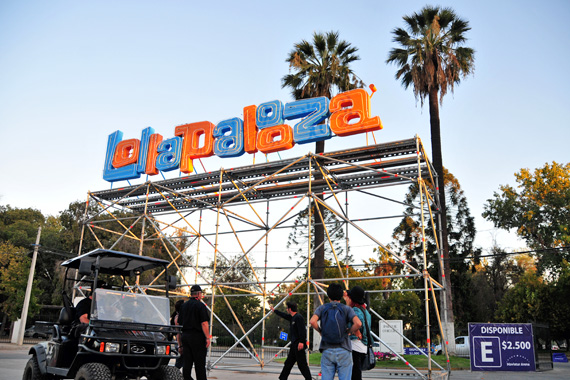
65	321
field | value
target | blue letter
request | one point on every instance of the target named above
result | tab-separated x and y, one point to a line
229	138
269	114
169	154
309	129
110	173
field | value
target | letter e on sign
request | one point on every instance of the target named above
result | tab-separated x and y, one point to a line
486	352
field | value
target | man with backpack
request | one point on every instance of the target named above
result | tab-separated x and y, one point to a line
335	345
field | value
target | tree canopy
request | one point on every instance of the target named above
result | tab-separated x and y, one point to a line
431	56
299	235
461	226
461	233
538	208
321	67
14	271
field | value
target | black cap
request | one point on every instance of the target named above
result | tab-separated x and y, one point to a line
195	288
356	294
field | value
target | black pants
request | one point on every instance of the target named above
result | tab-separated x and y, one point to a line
296	356
357	359
194	354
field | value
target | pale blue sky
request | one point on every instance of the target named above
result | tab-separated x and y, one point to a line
72	72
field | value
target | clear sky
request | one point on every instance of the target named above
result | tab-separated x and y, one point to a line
72	72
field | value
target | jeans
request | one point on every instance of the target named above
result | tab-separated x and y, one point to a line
336	360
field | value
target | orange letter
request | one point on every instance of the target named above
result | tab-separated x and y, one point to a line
359	102
249	129
266	138
190	147
127	152
153	142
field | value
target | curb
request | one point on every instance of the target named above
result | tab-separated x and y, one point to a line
14	347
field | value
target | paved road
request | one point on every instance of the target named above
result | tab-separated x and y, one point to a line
13	360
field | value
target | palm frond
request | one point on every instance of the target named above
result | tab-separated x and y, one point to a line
431	56
322	67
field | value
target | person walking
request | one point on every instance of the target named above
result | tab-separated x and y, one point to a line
335	343
298	338
195	337
359	340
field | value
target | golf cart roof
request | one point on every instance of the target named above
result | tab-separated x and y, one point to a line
115	262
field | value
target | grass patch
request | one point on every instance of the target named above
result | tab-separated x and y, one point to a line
418	361
314	359
421	362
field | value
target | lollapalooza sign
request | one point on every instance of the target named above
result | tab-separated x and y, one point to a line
262	129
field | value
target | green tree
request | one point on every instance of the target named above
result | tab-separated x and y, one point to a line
460	225
245	306
384	265
539	209
14	271
321	68
432	60
461	233
559	316
524	302
20	226
299	235
405	305
491	280
532	299
72	219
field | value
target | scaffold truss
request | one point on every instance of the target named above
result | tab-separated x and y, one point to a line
244	215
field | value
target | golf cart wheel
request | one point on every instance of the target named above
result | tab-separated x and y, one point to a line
32	370
93	371
166	372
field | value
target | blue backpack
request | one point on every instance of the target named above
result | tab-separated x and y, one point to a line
333	323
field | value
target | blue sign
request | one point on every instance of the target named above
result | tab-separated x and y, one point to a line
283	335
415	351
501	347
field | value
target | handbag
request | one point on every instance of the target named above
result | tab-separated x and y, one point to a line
369	361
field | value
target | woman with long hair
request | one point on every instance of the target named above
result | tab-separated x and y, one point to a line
355	299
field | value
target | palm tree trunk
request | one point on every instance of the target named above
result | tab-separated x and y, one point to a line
319	258
442	221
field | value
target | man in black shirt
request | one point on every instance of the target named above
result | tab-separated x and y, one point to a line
195	337
83	308
298	338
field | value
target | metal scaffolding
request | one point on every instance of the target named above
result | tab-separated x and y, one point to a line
221	213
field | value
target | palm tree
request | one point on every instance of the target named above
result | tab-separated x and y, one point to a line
321	68
432	60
